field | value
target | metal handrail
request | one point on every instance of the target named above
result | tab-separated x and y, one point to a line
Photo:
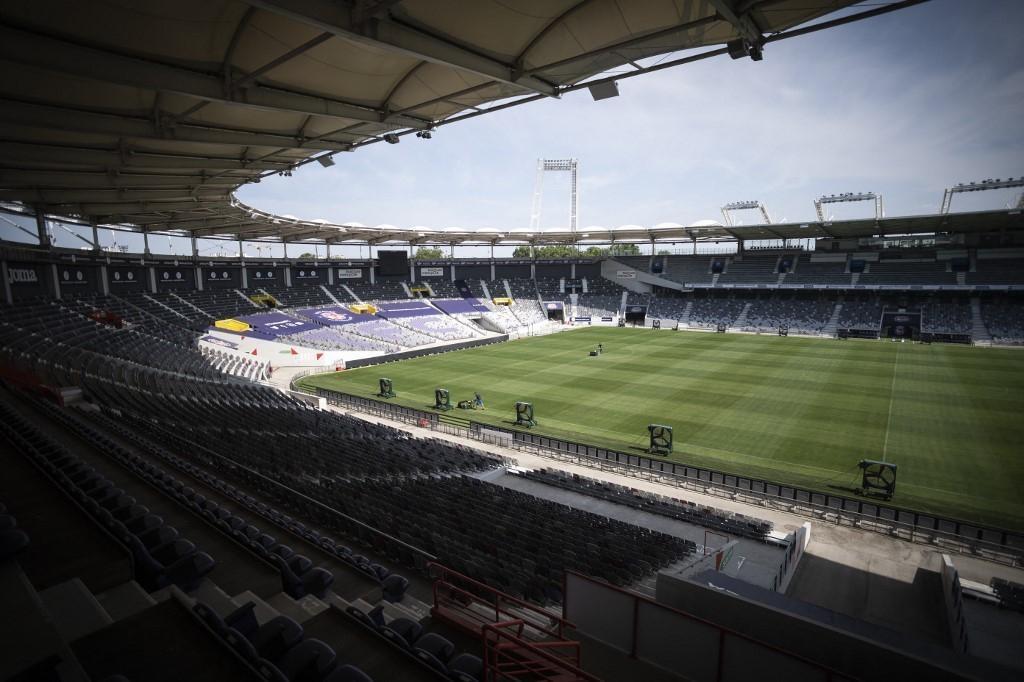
442	575
499	640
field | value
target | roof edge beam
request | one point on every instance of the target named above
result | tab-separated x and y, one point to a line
47	52
30	152
391	35
52	117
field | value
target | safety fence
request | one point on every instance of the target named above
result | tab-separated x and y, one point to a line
954	535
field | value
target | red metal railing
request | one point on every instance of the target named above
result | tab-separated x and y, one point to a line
470	605
520	640
507	656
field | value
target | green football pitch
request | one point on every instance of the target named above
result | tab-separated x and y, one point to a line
790	410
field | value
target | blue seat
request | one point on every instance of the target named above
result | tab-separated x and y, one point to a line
466	668
275	637
435	651
12	542
402	632
308	661
242	646
348	673
315	581
393	587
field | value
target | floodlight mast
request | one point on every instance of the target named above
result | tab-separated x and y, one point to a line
744	206
848	197
558	165
981	186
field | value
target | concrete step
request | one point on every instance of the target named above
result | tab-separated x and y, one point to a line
336	601
127	599
299	610
75	611
263	611
217	599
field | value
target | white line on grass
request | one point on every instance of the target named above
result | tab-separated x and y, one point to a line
892	393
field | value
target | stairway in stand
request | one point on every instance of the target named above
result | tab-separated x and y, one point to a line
979	332
833	322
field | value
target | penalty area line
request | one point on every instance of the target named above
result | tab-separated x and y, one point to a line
892	393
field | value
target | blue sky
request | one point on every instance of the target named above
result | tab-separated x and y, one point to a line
905	104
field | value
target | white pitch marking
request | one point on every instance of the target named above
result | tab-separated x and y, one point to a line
892	392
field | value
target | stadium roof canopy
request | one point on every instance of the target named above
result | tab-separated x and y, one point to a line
151	113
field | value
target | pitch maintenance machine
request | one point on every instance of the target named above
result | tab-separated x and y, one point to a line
387	388
661	439
877	478
441	400
524	415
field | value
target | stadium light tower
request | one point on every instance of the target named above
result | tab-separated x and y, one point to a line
556	165
998	183
745	206
848	197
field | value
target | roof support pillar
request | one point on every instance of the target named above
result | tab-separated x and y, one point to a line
44	236
7	282
95	237
145	244
56	280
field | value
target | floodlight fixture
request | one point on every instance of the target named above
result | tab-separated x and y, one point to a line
391	138
849	197
326	160
741	47
604	90
980	186
745	206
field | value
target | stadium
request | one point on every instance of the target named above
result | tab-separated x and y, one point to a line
290	449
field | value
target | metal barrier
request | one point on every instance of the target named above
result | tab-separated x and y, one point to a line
507	656
995	544
520	639
468	604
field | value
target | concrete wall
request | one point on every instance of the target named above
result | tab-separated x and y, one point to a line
429	273
517	271
953	599
221	277
474	271
856	649
29	280
77	279
675	641
124	279
625	276
175	278
308	275
610	269
791	559
552	270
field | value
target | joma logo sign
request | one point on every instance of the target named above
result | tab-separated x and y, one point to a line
22	276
